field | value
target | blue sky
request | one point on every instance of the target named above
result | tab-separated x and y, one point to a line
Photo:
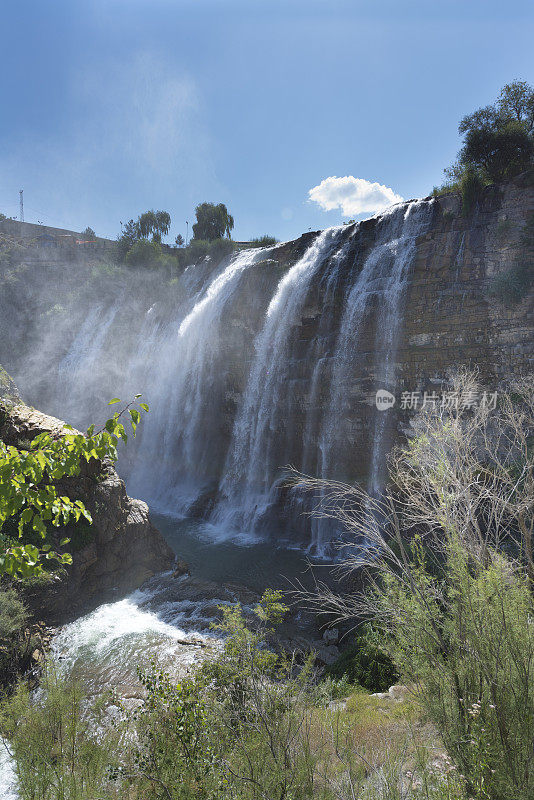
111	107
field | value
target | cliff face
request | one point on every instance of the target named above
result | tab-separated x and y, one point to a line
275	359
449	318
112	556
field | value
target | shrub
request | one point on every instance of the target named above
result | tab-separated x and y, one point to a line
455	603
220	248
511	285
196	250
263	241
53	738
471	186
366	663
143	254
13	614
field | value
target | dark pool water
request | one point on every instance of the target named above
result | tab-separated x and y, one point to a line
212	556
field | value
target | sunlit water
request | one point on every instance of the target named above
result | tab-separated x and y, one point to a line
105	648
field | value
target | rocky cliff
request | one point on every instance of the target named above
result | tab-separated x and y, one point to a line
112	556
275	357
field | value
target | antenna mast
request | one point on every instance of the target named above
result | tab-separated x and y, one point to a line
21	212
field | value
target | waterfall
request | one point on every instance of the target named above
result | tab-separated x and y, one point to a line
76	370
181	432
415	223
263	360
379	289
251	466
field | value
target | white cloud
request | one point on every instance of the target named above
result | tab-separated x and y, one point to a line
353	195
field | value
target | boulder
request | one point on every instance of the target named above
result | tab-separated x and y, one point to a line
328	655
119	551
331	636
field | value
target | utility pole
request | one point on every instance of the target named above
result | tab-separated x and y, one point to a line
21	212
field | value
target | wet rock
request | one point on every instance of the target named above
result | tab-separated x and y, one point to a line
331	636
181	568
123	547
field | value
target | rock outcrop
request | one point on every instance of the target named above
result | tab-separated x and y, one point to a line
74	334
115	554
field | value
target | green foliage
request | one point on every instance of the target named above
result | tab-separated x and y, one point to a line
196	250
30	478
263	241
219	248
498	141
16	641
155	224
178	747
13	614
128	236
89	233
511	286
366	663
55	744
470	659
213	222
499	149
133	243
200	248
143	254
471	186
195	737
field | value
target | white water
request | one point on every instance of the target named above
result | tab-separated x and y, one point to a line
104	648
179	433
382	280
415	223
246	368
8	777
249	471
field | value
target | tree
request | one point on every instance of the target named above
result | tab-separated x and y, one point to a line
516	101
498	140
89	233
213	222
155	224
179	241
31	478
501	148
129	235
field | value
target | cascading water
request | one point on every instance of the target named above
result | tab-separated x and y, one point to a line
380	287
415	222
249	365
250	468
185	393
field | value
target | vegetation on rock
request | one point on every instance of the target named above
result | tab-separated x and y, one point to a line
498	143
33	498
